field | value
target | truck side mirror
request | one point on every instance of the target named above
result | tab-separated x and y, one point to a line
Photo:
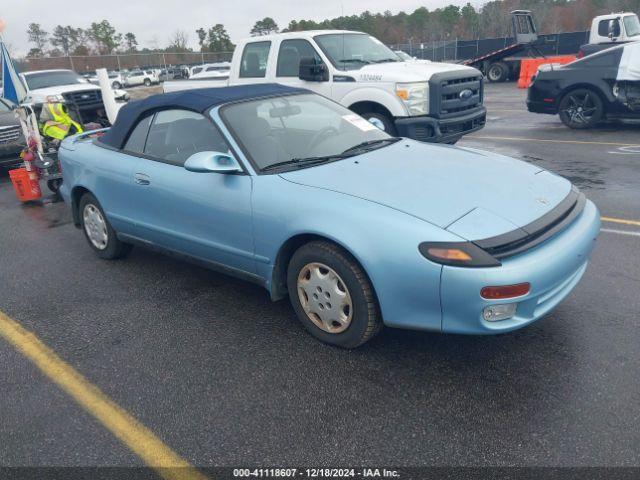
614	29
312	70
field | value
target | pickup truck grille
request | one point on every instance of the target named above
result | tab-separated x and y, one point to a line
452	94
84	98
10	134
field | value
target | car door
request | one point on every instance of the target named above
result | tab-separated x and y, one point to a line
205	215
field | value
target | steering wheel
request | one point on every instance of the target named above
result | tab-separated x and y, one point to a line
318	137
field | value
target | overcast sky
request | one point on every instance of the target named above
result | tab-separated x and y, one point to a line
153	21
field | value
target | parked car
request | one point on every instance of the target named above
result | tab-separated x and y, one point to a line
11	138
116	83
603	85
141	77
212	71
360	229
426	101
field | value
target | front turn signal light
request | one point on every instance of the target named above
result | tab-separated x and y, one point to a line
457	254
449	254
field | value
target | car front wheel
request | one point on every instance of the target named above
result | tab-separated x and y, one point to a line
101	236
147	82
116	85
381	121
581	108
332	296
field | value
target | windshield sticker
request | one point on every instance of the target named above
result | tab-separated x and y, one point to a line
359	122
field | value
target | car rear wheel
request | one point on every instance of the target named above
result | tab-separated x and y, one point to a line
147	82
116	85
332	295
101	236
498	72
581	108
381	121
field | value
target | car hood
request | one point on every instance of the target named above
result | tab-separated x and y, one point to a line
40	94
471	193
415	71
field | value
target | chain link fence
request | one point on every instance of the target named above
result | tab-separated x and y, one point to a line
90	63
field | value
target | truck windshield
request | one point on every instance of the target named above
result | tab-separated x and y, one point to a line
52	79
350	51
632	25
291	129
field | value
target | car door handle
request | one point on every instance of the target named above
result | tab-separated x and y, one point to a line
142	179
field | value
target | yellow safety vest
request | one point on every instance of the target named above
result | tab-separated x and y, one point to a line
61	124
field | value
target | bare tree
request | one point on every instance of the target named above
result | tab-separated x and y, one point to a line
178	41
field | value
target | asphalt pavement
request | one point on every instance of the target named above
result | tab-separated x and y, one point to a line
225	377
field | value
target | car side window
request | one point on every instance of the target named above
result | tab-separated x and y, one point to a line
603	28
138	137
254	60
175	135
290	54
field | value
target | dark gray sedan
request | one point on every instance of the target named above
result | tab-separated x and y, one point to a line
11	138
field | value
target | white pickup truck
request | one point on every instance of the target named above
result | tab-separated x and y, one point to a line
427	101
81	97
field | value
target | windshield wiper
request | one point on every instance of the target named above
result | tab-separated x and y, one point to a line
370	143
386	60
356	60
300	162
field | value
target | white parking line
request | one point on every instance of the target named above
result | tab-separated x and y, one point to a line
620	232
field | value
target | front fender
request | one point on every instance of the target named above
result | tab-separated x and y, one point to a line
375	95
383	240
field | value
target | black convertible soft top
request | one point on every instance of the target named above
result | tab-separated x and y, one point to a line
198	100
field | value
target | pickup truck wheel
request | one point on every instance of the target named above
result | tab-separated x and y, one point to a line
147	82
383	122
498	72
97	230
581	108
116	85
332	295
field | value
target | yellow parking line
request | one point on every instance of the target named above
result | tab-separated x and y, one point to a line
621	220
522	139
126	428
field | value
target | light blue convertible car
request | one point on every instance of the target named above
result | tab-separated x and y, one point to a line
290	190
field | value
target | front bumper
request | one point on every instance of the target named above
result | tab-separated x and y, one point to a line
10	152
542	107
553	269
433	130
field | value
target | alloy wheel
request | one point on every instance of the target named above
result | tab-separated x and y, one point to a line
581	108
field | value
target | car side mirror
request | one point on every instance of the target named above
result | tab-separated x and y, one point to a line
312	70
213	162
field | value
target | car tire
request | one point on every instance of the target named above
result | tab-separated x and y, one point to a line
54	185
147	82
343	295
581	108
99	233
381	121
498	72
116	85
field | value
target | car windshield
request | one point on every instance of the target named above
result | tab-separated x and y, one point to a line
52	79
299	127
349	51
632	25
